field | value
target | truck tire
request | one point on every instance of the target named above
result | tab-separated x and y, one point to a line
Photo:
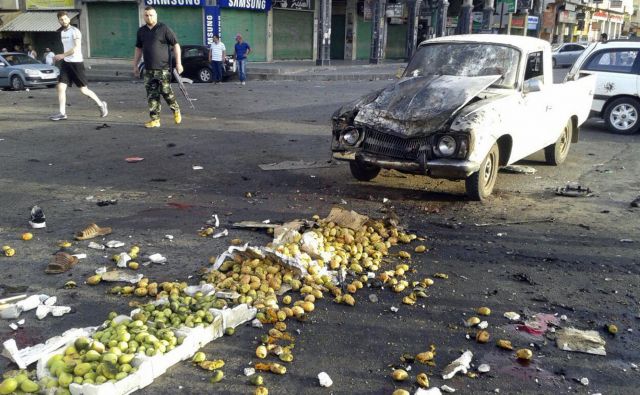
556	153
363	172
16	83
479	185
623	116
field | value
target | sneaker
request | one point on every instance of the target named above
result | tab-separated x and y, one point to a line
58	117
154	123
103	109
37	220
244	83
177	117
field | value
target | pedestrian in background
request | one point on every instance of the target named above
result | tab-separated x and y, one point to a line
32	52
153	41
242	50
17	48
48	56
72	68
604	38
217	53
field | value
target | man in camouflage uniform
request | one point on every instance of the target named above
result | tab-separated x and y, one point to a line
154	40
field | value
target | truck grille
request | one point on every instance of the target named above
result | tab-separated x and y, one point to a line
387	145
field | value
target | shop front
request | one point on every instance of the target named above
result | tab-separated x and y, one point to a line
248	18
293	36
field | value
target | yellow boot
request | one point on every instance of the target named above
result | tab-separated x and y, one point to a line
177	117
154	123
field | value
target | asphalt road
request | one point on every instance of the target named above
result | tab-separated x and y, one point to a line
574	257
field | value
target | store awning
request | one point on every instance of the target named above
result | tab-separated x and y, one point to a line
45	21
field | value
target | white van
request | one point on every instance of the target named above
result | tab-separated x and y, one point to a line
616	99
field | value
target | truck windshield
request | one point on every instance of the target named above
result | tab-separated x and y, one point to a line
468	60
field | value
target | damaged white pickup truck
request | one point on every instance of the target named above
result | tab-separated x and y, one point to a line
465	106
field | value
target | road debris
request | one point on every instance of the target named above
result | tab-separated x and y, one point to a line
114	244
574	190
459	365
538	325
324	379
296	165
519	169
96	246
133	159
37	220
430	391
635	202
484	368
586	341
531	221
584	381
512	316
253	224
448	389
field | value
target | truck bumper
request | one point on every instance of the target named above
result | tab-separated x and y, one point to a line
451	169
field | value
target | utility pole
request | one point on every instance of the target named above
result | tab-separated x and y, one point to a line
441	27
378	28
487	16
464	21
412	27
324	33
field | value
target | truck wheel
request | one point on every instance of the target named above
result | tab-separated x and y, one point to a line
362	171
623	116
479	185
556	153
16	83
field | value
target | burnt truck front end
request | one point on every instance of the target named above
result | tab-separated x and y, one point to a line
407	127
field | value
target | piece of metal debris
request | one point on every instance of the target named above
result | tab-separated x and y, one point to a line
574	190
296	165
519	169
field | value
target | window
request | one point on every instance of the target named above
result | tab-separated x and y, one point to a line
534	67
613	60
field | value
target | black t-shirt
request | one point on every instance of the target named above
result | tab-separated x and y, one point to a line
155	44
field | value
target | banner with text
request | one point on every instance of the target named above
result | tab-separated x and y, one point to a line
257	5
175	3
211	23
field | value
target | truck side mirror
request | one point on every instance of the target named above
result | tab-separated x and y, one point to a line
532	85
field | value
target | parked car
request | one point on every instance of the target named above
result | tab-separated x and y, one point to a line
465	106
195	61
17	71
566	54
616	65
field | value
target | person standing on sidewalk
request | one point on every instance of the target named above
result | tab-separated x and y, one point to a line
32	52
242	50
48	56
72	68
154	40
217	52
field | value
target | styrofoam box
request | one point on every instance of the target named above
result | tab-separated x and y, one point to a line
149	368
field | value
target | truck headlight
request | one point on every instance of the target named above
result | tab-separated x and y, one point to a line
351	136
447	145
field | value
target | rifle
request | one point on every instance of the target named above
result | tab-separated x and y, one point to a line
181	81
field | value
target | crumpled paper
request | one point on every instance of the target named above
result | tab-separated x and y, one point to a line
461	364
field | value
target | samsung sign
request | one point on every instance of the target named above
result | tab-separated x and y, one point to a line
260	5
175	3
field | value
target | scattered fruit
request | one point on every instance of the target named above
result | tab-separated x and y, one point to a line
505	344
422	380
27	236
524	354
613	329
484	311
400	375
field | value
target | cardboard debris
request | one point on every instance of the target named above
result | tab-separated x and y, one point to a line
572	339
120	276
345	218
295	165
459	365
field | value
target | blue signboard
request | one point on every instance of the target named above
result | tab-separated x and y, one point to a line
259	5
211	23
175	3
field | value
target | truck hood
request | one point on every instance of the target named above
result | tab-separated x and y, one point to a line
420	105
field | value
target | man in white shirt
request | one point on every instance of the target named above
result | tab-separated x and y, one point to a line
217	52
48	56
72	68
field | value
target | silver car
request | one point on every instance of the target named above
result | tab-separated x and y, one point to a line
566	54
18	71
